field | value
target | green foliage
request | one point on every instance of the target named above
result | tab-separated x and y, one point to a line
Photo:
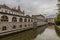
57	21
59	0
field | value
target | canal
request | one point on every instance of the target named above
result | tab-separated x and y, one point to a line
40	33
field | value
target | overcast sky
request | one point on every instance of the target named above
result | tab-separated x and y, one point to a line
31	7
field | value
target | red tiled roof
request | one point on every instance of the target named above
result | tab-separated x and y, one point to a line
16	10
19	11
37	15
4	6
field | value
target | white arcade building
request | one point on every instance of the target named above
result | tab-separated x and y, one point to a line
13	19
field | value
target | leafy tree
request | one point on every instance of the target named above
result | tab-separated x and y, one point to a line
57	21
59	0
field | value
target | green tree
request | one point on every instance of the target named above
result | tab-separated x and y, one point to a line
58	0
57	21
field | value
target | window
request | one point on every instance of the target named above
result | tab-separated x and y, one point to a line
20	20
0	7
31	20
4	18
1	10
25	20
20	26
28	24
28	20
14	19
4	28
25	25
14	27
6	11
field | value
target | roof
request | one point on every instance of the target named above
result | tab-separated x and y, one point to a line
37	15
19	11
13	9
5	6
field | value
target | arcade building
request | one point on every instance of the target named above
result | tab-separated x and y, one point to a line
13	19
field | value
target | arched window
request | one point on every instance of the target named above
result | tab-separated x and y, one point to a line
20	20
14	27
25	20
28	24
20	26
1	10
25	25
6	11
4	28
4	18
29	20
14	19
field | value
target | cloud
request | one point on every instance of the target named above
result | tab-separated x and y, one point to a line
34	6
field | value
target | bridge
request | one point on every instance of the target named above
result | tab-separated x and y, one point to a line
51	23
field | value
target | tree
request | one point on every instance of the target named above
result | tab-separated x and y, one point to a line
57	21
58	0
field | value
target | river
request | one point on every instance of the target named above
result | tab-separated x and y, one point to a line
40	33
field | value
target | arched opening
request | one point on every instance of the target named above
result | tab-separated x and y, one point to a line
4	28
20	26
5	11
20	20
14	19
25	20
4	18
14	27
28	25
29	20
25	25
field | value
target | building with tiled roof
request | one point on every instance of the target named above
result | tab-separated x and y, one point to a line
5	8
40	17
13	19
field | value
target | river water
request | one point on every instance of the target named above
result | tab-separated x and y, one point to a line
41	33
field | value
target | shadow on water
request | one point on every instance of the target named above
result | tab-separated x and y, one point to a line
24	35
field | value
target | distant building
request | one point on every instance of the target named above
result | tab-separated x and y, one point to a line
51	20
40	18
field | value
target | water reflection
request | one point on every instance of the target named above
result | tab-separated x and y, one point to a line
41	33
26	35
49	34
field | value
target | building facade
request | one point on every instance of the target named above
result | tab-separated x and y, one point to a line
40	18
13	19
51	20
